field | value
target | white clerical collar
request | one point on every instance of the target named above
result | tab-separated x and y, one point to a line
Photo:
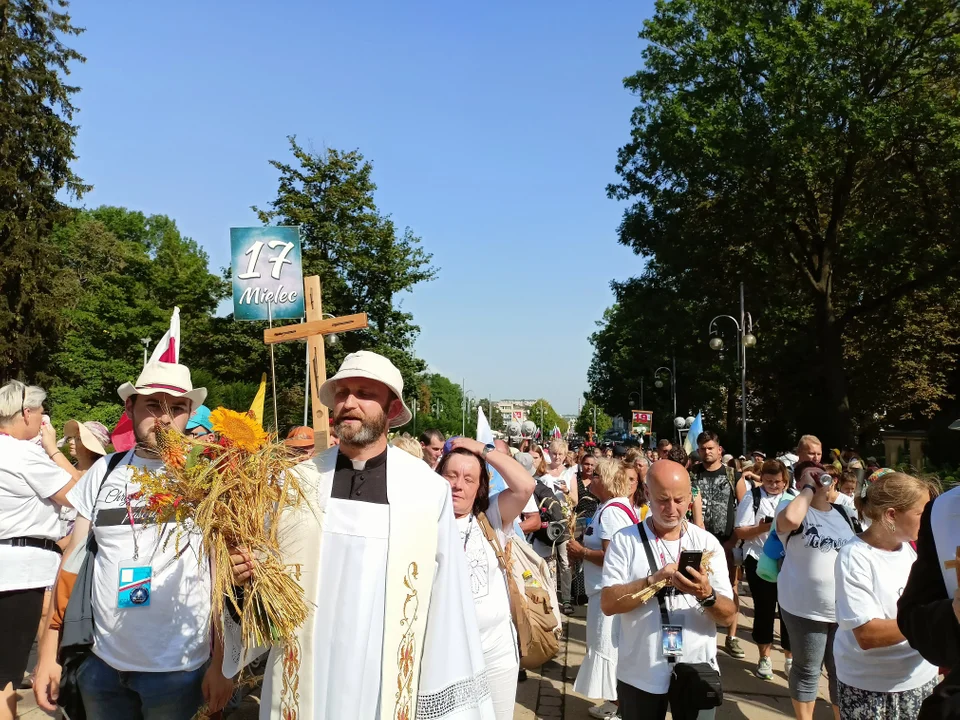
359	464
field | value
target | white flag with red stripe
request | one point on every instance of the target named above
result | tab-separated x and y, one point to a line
168	349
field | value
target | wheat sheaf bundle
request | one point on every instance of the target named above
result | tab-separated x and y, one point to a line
231	492
651	591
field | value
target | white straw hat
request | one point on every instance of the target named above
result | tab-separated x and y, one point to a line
161	377
370	365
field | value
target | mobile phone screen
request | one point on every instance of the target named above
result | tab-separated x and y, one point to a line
689	559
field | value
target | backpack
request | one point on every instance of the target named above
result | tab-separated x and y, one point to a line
713	527
534	609
551	510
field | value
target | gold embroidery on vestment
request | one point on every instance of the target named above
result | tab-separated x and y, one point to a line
407	650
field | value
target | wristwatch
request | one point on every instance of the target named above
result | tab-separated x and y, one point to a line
486	450
710	600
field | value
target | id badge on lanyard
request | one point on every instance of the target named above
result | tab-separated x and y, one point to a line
135	584
671	641
135	581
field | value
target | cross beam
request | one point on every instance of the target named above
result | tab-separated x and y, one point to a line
313	328
313	331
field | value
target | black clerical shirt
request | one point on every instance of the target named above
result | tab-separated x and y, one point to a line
366	485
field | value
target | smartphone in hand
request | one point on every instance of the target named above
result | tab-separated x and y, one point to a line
689	559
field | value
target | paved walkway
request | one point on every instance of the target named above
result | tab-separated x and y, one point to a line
549	695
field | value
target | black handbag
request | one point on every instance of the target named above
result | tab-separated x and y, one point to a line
693	686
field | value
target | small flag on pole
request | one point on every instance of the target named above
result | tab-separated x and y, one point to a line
556	435
168	351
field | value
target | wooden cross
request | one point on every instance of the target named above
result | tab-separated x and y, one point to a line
314	330
955	564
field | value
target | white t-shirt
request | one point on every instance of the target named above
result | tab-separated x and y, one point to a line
172	632
489	587
603	527
27	479
641	662
805	585
570	477
869	584
746	517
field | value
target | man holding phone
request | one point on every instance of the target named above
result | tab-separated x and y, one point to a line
654	639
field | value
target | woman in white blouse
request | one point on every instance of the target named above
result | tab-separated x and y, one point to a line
465	468
880	676
613	485
34	482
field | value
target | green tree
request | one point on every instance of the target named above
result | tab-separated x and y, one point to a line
812	150
36	149
585	420
122	286
363	262
547	420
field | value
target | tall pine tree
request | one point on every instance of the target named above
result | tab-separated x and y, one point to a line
36	149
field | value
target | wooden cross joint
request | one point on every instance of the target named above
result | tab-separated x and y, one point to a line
313	331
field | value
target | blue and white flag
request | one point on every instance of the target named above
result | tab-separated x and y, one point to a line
690	443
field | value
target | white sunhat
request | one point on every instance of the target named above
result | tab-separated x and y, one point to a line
370	365
161	377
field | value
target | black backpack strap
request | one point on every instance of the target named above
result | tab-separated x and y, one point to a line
843	512
756	500
652	563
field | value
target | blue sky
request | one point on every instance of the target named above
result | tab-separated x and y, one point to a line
493	129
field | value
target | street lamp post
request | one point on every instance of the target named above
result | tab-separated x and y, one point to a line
673	383
146	344
463	424
413	406
745	339
437	408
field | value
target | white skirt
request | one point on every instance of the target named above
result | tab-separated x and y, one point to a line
597	677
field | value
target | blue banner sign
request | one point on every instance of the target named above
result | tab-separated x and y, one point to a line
267	268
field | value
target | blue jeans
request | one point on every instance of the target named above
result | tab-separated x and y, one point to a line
109	694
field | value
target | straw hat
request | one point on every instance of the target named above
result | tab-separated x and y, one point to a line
93	436
370	365
161	377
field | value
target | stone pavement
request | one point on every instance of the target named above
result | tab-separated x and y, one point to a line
548	695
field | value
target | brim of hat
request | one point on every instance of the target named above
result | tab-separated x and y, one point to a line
196	396
327	392
87	438
299	443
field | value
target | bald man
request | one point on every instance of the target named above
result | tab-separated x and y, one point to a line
686	613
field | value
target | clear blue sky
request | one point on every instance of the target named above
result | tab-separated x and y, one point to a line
493	129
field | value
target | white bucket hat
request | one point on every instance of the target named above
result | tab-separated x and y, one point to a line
370	365
161	377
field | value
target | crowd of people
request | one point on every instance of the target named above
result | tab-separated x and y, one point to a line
411	542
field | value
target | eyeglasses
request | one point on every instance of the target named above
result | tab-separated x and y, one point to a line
23	403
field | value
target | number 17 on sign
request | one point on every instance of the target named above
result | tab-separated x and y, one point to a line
267	271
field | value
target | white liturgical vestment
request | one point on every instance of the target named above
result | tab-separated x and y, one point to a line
392	633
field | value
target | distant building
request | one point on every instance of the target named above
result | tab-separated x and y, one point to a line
518	410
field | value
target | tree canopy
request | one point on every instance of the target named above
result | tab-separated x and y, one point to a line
811	151
586	417
36	150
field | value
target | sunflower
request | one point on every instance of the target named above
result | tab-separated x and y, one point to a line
239	429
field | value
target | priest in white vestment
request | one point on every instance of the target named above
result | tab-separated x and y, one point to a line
392	633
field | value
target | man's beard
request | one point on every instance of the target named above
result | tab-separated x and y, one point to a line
371	429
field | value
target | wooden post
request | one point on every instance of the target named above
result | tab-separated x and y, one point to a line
318	364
